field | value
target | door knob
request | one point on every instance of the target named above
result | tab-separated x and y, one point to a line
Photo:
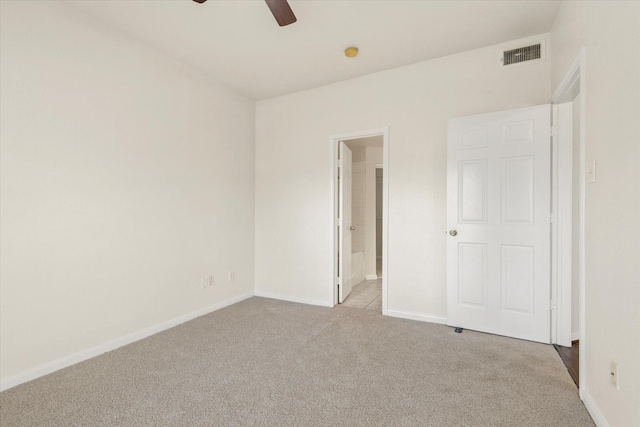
453	232
352	228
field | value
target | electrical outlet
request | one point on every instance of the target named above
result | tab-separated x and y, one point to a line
615	373
231	276
590	172
210	281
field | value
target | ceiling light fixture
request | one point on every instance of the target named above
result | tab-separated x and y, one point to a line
351	52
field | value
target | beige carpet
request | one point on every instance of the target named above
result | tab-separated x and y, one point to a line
270	363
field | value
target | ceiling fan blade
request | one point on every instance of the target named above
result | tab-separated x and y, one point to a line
200	1
281	11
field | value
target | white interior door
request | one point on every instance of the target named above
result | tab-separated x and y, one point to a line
498	215
345	177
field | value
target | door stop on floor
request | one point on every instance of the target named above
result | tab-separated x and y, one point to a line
458	330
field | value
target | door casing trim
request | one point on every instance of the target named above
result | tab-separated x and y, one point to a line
573	83
333	206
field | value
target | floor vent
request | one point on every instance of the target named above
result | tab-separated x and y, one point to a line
522	54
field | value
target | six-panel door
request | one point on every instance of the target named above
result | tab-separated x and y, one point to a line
498	216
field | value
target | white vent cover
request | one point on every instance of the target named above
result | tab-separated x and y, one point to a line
519	55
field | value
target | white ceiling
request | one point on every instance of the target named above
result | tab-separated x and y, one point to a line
238	42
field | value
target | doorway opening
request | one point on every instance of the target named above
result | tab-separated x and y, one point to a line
570	176
360	219
567	232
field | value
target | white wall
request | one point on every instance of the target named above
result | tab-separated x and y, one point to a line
374	156
358	205
125	179
358	197
610	31
293	197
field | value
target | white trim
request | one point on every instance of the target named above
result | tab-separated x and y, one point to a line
333	183
593	409
385	223
335	221
574	82
417	316
289	298
582	369
571	84
562	228
554	226
371	277
360	134
111	345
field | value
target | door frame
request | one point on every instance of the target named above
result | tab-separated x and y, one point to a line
333	212
572	84
345	218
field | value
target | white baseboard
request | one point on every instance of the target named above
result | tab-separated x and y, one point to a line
417	316
293	299
371	277
593	409
111	345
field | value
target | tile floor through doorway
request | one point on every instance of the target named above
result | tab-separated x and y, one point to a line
366	294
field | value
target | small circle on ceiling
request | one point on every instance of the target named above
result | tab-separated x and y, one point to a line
351	52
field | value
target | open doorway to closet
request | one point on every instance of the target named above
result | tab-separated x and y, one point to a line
360	219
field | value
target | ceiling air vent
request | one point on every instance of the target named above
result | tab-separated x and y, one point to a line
522	54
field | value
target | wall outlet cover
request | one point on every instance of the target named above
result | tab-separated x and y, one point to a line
590	172
615	373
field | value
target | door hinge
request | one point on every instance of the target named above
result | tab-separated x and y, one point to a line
553	305
554	131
